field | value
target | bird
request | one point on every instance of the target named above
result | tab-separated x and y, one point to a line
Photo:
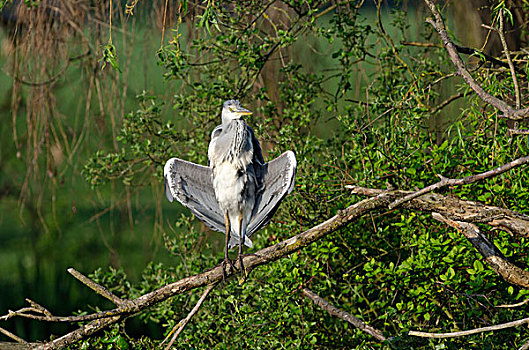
237	193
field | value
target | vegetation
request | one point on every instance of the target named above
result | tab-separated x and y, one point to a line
362	96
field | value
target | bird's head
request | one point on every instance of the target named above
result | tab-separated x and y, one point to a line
232	110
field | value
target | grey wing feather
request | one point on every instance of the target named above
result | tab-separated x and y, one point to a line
276	179
192	185
216	132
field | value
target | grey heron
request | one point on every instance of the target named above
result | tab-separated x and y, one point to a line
238	193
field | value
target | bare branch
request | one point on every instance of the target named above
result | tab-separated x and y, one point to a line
447	102
95	287
333	310
518	131
180	325
494	29
12	336
450	207
38	314
508	111
215	275
38	307
16	346
510	272
514	305
470	331
463	181
461	215
459	210
80	333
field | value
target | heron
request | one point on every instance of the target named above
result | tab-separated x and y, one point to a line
238	193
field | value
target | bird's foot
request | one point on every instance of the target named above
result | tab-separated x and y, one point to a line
243	276
225	263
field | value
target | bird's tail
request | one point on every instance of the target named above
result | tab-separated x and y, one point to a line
234	241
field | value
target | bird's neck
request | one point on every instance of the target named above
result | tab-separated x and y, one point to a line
226	122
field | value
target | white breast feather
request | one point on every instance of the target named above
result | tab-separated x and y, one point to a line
229	182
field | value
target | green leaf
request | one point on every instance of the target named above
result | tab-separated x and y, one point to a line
109	56
478	266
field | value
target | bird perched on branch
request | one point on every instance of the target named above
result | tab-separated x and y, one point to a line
238	193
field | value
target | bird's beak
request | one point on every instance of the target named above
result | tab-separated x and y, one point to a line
242	111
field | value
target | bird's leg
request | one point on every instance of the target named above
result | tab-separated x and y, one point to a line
226	257
241	242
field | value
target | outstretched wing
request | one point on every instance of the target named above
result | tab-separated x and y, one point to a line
276	179
192	185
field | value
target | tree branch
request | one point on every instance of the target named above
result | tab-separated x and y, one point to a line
461	215
449	207
467	51
518	131
96	287
459	210
214	275
180	325
463	181
510	272
12	336
508	111
35	313
513	305
470	331
333	310
447	102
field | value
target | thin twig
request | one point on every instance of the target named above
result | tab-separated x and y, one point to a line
463	181
508	306
39	307
508	111
420	44
494	29
163	24
96	287
509	60
389	39
12	336
179	327
344	315
447	102
470	331
37	314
